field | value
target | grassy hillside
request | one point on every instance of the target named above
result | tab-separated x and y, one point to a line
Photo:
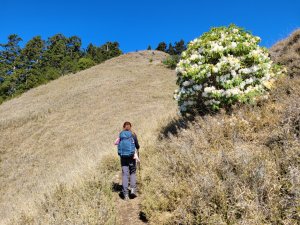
58	133
234	167
237	167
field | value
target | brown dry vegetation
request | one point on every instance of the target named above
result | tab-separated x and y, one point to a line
54	137
287	52
239	167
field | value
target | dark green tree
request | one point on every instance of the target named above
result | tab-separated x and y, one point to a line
9	55
74	47
179	47
104	52
149	47
162	46
171	50
91	51
31	61
56	51
10	62
32	53
110	49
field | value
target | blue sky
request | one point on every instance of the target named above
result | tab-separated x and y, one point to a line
136	23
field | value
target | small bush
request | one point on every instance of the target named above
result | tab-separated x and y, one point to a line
171	61
223	66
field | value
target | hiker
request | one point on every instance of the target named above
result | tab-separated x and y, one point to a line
128	146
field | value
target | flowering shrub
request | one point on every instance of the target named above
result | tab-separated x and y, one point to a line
223	66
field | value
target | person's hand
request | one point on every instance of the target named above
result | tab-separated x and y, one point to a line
136	157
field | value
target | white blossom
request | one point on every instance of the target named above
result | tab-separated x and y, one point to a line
235	30
233	44
186	83
197	87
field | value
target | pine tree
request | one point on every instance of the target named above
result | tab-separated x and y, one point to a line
149	47
74	47
162	46
56	51
31	62
32	53
171	50
91	51
180	47
9	55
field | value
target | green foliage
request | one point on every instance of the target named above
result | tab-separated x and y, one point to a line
171	61
33	51
41	61
52	73
85	63
104	52
174	51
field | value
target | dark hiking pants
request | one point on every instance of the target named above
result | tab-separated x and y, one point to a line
128	169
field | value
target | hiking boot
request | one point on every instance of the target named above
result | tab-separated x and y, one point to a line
126	197
133	192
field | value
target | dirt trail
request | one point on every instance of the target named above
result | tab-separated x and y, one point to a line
128	211
58	132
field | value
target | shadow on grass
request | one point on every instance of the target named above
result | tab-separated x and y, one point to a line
116	187
174	126
143	217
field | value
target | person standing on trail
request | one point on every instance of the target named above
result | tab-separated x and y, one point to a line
128	146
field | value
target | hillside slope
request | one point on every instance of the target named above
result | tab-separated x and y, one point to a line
233	167
58	132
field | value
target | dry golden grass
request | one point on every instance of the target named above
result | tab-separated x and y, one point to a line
88	201
58	133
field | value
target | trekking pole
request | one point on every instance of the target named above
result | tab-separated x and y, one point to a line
139	164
